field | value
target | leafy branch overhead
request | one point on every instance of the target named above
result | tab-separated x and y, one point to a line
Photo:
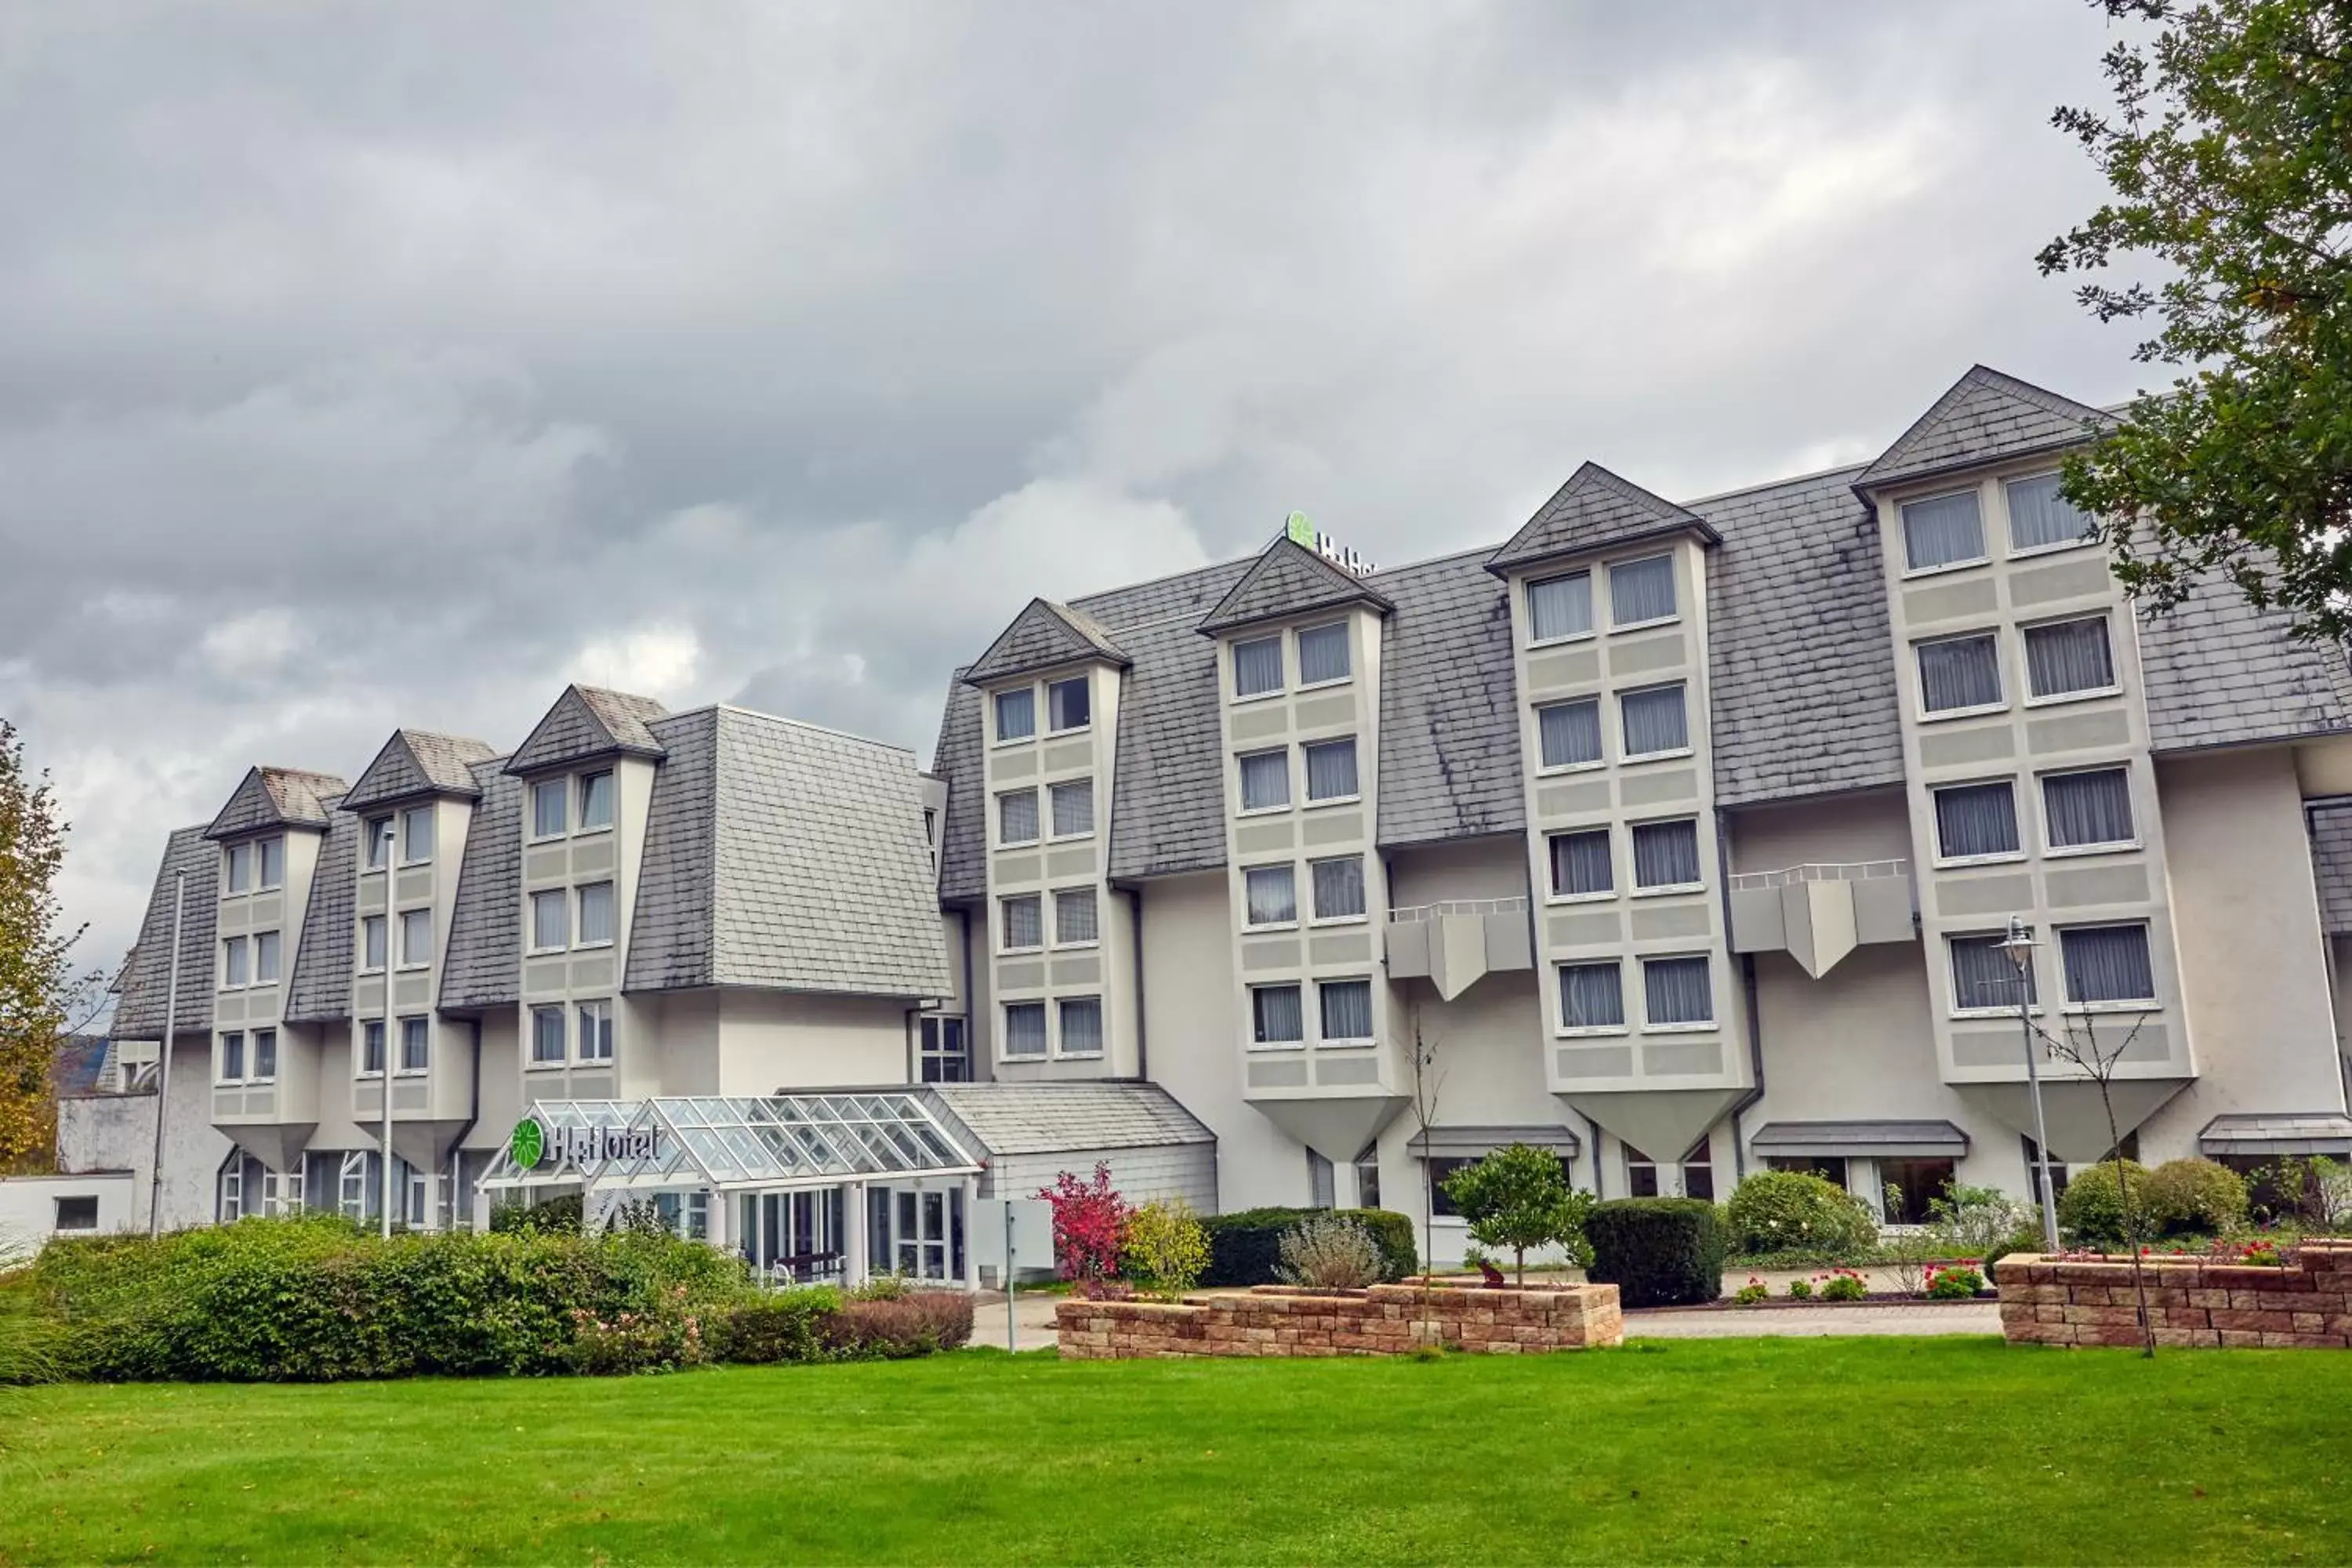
39	991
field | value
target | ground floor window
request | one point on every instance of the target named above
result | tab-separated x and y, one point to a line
1440	1166
1911	1186
1829	1168
1322	1182
2033	1174
918	1235
1641	1174
795	1233
1698	1171
945	1054
76	1214
1368	1177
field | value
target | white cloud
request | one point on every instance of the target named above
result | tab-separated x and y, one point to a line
654	661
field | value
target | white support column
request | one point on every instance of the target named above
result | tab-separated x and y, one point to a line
856	1267
970	1212
721	1219
481	1209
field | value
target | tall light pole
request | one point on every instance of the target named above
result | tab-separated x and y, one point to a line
384	1184
163	1059
2019	946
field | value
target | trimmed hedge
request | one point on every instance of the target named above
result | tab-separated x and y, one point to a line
1799	1213
1246	1246
777	1326
2091	1209
1658	1252
2198	1197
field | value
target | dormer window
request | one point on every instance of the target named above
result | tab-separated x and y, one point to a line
417	834
595	801
1069	704
549	818
1016	714
1642	591
1560	607
268	864
379	838
1323	653
1943	531
240	867
1257	667
2041	519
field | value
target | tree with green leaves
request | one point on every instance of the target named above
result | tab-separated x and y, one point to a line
39	991
2228	153
1517	1197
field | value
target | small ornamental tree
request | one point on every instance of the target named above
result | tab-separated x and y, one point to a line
1516	1197
1089	1224
1166	1249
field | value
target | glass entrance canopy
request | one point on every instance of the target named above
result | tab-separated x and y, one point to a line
728	1145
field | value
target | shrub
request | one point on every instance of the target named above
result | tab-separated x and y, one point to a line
1791	1211
1325	1254
2196	1195
2307	1190
778	1326
1800	1290
1954	1281
1845	1285
1165	1248
1089	1224
2027	1238
1246	1246
663	1335
923	1322
882	1288
1516	1197
1968	1222
2092	1208
1748	1295
560	1216
1656	1251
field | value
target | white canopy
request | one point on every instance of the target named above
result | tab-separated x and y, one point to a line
730	1145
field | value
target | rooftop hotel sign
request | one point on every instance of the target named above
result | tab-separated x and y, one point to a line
530	1144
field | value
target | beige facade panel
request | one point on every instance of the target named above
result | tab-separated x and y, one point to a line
1068	754
1086	971
1353	947
1325	711
591	857
1975	896
1260	724
538	979
2092	731
1020	976
1648	656
1350	1071
1571	799
1671	788
537	866
1278	1075
1259	956
1960	748
1343	827
1653	922
2084	577
1259	838
1682	1058
1016	868
1078	862
2116	884
1556	671
1950	601
1584	930
1594	1062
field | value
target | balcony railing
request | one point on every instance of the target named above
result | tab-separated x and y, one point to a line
1413	913
1819	911
1819	871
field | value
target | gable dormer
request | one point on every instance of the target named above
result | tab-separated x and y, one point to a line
1286	580
1594	512
415	763
1984	418
275	797
589	722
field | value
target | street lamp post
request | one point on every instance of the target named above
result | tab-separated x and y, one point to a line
2018	946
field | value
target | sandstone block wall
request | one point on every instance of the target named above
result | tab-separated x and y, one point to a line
2194	1303
1387	1320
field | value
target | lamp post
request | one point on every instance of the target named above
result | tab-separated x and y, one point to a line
2018	946
384	1157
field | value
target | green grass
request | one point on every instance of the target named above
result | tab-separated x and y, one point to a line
1764	1450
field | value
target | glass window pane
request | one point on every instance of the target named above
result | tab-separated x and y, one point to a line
1347	1010
596	1031
1331	769
232	1057
372	1046
1666	854
240	867
1024	922
596	913
1073	807
595	801
1941	531
417	834
1591	996
1983	976
1959	672
1016	714
416	936
550	923
1323	653
1257	667
1675	991
2039	515
1654	721
1017	816
547	809
1082	1033
1275	1016
1025	1029
1641	590
1271	894
1073	916
233	961
1265	780
1571	733
2107	964
547	1043
1975	819
1068	703
264	958
372	935
379	835
2069	657
1581	863
265	1053
1560	607
272	852
2088	808
1338	888
413	1041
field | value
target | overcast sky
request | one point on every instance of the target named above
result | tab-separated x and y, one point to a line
390	365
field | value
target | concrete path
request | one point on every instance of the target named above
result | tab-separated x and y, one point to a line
1032	1323
1811	1323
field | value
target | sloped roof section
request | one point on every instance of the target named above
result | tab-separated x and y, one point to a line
1449	731
1595	511
588	722
1985	416
146	973
419	762
276	797
963	847
321	991
671	932
1044	635
1051	1118
2222	673
2330	822
1288	579
484	953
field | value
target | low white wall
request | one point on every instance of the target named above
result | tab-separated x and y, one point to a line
28	1206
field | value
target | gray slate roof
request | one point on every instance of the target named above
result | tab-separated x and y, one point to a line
276	797
416	762
484	951
139	1006
1043	636
2277	1132
1053	1117
1984	416
589	721
321	990
1288	579
956	758
2330	822
1594	511
1449	731
782	855
2221	672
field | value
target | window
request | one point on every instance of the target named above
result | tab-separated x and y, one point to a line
2040	517
415	834
1959	673
235	962
1698	1171
596	1031
547	809
1942	531
1025	1029
1368	1177
232	1057
1641	1174
1347	1011
413	1040
550	920
1322	1182
1560	607
240	867
1024	922
1983	977
595	801
1073	807
1323	653
372	942
1829	1168
946	1053
1074	917
1909	1186
1675	991
2087	810
2067	657
1440	1167
1654	721
265	1055
1069	704
416	937
2107	964
379	839
595	913
1591	996
1265	781
264	958
1257	667
1642	591
76	1214
1271	895
371	1047
1580	864
1017	816
1276	1019
232	1188
1082	1032
1016	714
1331	769
1666	854
547	1043
270	857
1338	888
1974	820
1569	732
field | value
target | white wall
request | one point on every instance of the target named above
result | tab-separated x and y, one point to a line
28	1206
1186	1171
768	1040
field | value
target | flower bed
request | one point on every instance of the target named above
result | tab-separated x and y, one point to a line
1386	1320
2303	1300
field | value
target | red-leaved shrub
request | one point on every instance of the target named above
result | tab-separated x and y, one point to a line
921	1323
1089	1224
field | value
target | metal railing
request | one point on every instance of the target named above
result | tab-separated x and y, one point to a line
1512	906
1819	871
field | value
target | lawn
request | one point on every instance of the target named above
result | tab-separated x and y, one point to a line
1764	1450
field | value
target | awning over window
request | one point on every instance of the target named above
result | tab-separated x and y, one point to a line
2278	1132
1463	1142
730	1145
1895	1139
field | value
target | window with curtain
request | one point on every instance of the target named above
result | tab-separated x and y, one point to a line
1560	607
232	1057
415	834
1323	653
1666	854
1074	917
596	913
2066	657
372	940
1942	529
548	820
1591	996
1017	816
372	1046
1073	807
240	867
1347	1011
547	1043
1982	975
595	801
1654	721
376	842
235	962
270	863
1276	1019
1338	888
596	1031
264	956
414	1038
1570	731
2086	808
1265	780
1580	864
551	924
1082	1031
1641	590
1069	704
1271	894
1016	714
1975	819
1331	769
1023	921
2107	964
1675	991
1025	1029
2040	516
1959	672
265	1054
1257	667
415	937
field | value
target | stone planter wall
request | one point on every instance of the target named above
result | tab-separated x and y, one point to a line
1387	1320
2194	1303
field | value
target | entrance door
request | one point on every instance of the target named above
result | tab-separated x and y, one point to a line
918	1235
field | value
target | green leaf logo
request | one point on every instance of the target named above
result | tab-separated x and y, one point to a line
526	1145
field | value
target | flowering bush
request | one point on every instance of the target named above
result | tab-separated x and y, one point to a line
1788	1210
661	1337
1748	1295
1844	1285
1800	1290
1954	1281
1165	1247
1089	1224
